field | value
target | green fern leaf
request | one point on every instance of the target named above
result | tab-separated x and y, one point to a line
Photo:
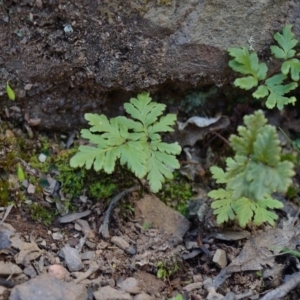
158	167
218	174
165	147
266	148
247	63
246	83
244	208
243	144
286	42
163	125
271	203
219	194
292	65
277	90
142	109
86	156
134	156
261	92
263	215
223	210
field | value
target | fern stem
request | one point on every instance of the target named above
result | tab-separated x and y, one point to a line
104	230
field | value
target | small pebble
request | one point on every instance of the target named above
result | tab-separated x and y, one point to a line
42	157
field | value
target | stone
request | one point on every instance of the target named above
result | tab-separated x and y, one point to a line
7	269
109	293
143	296
72	258
57	236
47	287
220	258
42	157
74	216
192	286
4	292
88	255
30	271
124	245
130	285
151	210
58	271
149	283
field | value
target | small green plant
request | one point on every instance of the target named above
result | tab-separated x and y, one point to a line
177	297
10	92
252	175
135	142
270	85
164	272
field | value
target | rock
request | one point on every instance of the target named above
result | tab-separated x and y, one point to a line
130	285
57	236
30	271
137	48
7	269
124	245
149	283
143	296
213	295
73	217
88	255
109	293
84	226
42	157
48	287
151	210
72	258
58	271
4	292
6	230
220	258
192	286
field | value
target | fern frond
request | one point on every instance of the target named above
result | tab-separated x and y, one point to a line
137	143
252	175
286	42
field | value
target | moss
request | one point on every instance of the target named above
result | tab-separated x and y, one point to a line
176	193
4	192
72	179
101	189
41	166
41	214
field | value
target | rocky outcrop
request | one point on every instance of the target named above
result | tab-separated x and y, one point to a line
65	58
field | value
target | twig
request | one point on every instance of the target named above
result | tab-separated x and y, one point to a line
103	230
221	137
284	289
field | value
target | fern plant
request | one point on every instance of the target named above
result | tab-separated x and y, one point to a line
252	175
136	142
273	86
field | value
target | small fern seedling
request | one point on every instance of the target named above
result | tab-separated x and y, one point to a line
272	86
252	175
135	142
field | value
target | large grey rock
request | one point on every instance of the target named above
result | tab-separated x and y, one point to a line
47	287
71	58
